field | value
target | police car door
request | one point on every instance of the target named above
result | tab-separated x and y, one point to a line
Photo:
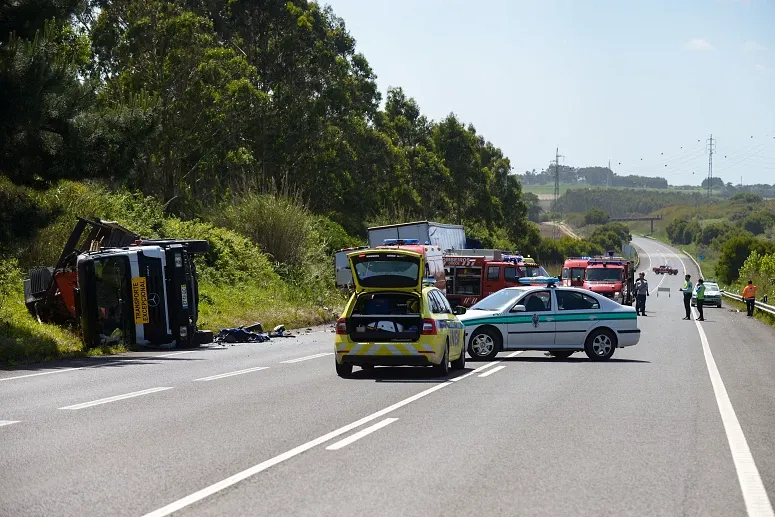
535	326
576	314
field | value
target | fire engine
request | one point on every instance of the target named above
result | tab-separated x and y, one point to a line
573	271
611	276
474	274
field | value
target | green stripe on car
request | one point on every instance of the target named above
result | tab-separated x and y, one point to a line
556	318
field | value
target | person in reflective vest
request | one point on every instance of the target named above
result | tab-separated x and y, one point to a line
700	290
687	290
749	295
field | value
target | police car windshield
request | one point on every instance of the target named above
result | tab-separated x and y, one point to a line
497	301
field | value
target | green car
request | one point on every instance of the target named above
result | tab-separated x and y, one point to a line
712	295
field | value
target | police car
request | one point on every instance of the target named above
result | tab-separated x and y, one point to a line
559	320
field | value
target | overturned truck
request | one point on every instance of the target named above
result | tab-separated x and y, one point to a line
120	288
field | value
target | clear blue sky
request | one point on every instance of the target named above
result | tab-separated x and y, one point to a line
638	83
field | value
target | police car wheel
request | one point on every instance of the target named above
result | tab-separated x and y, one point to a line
600	345
484	345
442	368
344	370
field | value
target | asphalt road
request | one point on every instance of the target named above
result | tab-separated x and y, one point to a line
677	425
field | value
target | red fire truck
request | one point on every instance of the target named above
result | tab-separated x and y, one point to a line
474	274
610	276
573	271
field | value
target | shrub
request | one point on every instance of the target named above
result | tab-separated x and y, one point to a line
596	216
735	251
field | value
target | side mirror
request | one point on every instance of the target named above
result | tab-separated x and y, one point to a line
519	308
460	310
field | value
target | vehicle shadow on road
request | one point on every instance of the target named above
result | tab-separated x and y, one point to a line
408	375
580	359
95	362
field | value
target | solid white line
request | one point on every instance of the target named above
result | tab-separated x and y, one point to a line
115	398
8	422
231	374
252	471
360	434
300	359
177	353
474	371
664	275
490	372
49	372
757	503
515	354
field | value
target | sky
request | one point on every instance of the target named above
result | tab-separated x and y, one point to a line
642	84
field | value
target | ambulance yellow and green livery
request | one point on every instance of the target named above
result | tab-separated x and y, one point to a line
397	317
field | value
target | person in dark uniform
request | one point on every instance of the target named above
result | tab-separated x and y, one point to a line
687	290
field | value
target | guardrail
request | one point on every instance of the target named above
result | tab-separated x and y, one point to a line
770	309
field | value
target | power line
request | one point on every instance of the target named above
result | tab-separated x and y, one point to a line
555	226
711	147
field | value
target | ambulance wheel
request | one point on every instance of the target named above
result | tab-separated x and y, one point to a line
460	362
485	344
344	370
562	354
600	345
442	369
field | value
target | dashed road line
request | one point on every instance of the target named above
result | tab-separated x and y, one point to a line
231	374
48	372
474	371
515	354
177	353
360	434
490	372
8	422
306	358
116	398
256	469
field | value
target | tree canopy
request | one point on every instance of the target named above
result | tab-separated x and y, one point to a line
199	101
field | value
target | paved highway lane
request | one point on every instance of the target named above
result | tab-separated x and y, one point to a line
525	435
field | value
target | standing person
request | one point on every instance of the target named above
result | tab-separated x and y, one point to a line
641	292
700	289
687	290
749	295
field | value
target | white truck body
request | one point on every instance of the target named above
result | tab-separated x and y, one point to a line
445	236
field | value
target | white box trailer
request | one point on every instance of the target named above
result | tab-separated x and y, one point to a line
445	236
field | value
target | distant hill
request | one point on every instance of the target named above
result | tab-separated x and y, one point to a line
592	177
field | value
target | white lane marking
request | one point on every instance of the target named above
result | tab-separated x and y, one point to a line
515	354
231	374
49	372
8	422
84	405
177	353
757	503
360	434
490	372
252	471
476	370
300	359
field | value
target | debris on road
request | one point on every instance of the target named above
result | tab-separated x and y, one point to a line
250	334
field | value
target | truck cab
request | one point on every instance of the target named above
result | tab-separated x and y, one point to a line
612	277
471	277
573	271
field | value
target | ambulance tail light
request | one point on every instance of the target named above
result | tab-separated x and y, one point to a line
428	327
341	326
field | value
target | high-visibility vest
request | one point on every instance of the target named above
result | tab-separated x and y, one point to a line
749	291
